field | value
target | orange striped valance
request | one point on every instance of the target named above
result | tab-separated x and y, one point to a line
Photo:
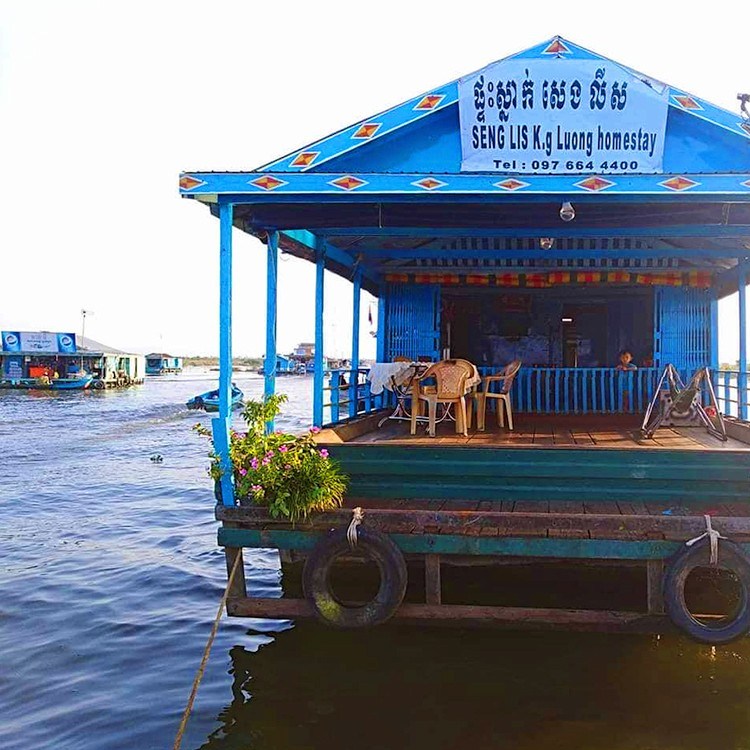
701	279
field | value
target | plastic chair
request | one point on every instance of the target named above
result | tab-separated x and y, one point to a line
450	376
502	397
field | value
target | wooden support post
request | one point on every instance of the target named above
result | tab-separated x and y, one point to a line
742	377
238	589
221	424
320	264
354	374
271	307
654	593
432	585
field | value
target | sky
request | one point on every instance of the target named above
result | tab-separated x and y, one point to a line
103	104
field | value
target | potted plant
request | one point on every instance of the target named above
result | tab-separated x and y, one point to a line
289	474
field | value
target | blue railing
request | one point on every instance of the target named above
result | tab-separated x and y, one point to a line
548	390
731	388
349	395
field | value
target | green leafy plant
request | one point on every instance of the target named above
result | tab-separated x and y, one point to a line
288	473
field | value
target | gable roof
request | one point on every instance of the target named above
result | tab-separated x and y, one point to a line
426	126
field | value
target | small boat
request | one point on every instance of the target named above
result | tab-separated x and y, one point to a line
72	384
44	383
209	401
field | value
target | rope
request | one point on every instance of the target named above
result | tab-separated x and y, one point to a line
351	533
204	660
713	538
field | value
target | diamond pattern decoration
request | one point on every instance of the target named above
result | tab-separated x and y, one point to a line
267	182
305	158
347	182
430	101
511	184
594	184
188	183
429	183
745	126
679	183
367	130
687	102
746	183
556	47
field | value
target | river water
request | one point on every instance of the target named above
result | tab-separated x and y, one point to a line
109	581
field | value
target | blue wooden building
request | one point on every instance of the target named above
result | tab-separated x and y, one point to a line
160	363
557	207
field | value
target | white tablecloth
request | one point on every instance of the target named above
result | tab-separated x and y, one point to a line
381	373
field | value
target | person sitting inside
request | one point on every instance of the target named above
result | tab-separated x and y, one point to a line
626	361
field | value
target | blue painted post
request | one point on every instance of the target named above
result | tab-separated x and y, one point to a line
354	374
742	377
380	343
221	423
320	264
272	276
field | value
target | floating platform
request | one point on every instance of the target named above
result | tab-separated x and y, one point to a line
570	490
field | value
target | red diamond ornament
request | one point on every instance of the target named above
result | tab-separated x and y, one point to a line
594	184
188	183
367	130
679	183
347	182
267	182
305	159
430	101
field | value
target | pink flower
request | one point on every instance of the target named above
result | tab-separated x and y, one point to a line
287	467
254	463
283	448
266	461
256	488
315	430
243	472
324	453
269	454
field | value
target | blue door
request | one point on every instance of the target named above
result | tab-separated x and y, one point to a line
413	321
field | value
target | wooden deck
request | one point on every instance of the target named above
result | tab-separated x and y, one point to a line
593	431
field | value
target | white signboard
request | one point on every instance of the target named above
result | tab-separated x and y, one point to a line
561	117
38	341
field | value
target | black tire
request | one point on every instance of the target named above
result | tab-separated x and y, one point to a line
732	558
97	385
393	575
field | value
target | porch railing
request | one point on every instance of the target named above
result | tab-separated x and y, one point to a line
348	395
581	390
547	390
731	388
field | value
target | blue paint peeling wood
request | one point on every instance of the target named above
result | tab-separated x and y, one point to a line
271	316
221	425
448	544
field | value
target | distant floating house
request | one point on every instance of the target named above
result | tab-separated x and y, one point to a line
159	363
285	365
29	359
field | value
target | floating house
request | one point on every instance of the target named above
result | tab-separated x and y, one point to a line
163	364
284	366
34	359
555	207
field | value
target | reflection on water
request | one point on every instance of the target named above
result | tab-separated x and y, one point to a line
441	689
109	581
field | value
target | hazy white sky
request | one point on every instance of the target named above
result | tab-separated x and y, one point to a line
102	104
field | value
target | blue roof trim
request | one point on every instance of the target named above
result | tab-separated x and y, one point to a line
265	185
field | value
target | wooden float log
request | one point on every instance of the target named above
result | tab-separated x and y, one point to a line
542	547
516	617
458	521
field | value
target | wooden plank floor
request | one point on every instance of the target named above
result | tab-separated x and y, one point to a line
563	431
